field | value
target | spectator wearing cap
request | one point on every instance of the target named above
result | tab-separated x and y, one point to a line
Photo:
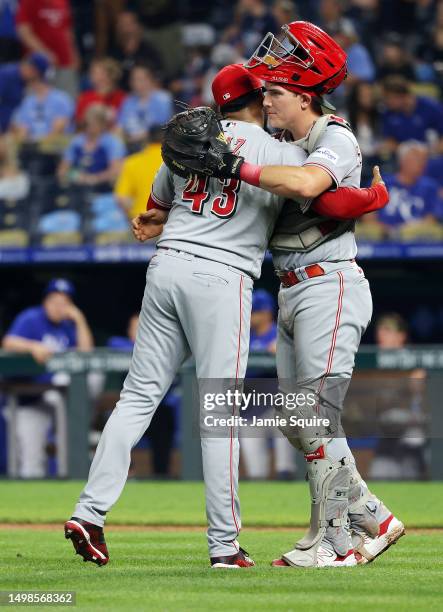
54	326
147	105
134	183
407	116
93	157
44	111
255	450
46	27
414	206
104	75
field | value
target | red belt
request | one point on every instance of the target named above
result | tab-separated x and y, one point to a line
288	279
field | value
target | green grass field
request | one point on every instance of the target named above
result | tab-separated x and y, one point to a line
161	568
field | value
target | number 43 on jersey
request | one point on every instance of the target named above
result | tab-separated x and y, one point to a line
222	205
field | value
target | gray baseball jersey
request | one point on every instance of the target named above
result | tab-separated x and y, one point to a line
226	221
338	153
197	301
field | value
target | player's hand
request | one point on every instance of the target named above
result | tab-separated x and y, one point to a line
376	177
41	352
149	225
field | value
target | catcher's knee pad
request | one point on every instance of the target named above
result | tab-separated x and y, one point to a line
309	416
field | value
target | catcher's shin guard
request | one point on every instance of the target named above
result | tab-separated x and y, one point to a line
329	487
329	478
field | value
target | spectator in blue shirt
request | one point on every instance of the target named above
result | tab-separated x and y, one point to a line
126	343
44	111
148	105
413	197
93	157
407	116
55	326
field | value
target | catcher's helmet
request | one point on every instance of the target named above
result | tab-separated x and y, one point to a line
301	57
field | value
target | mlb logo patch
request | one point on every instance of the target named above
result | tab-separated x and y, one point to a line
226	96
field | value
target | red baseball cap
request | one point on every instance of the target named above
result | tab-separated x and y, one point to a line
233	82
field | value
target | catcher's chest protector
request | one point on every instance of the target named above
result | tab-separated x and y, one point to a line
303	232
299	231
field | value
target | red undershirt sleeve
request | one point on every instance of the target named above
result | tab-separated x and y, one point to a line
351	202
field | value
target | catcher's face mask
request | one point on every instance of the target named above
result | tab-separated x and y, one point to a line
276	50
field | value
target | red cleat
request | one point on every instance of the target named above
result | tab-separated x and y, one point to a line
240	559
280	563
88	540
390	531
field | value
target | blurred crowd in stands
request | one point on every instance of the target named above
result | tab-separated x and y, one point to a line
85	87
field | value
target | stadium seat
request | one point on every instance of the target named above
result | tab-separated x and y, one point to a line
14	223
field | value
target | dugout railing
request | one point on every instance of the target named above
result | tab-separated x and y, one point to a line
78	408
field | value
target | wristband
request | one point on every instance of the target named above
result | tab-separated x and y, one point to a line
250	173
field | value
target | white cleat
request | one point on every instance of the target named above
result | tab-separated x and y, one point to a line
367	548
325	556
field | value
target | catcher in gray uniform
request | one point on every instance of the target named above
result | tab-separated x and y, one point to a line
325	301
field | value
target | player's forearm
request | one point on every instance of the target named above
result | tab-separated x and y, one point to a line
29	39
18	344
351	202
85	340
286	181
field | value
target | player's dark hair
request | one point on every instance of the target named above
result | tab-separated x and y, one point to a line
242	102
316	106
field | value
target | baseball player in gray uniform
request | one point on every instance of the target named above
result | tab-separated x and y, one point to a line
325	301
197	301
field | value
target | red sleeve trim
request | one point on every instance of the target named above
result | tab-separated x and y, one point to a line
154	202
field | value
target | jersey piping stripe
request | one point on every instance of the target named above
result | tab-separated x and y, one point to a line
334	333
231	446
157	200
323	167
